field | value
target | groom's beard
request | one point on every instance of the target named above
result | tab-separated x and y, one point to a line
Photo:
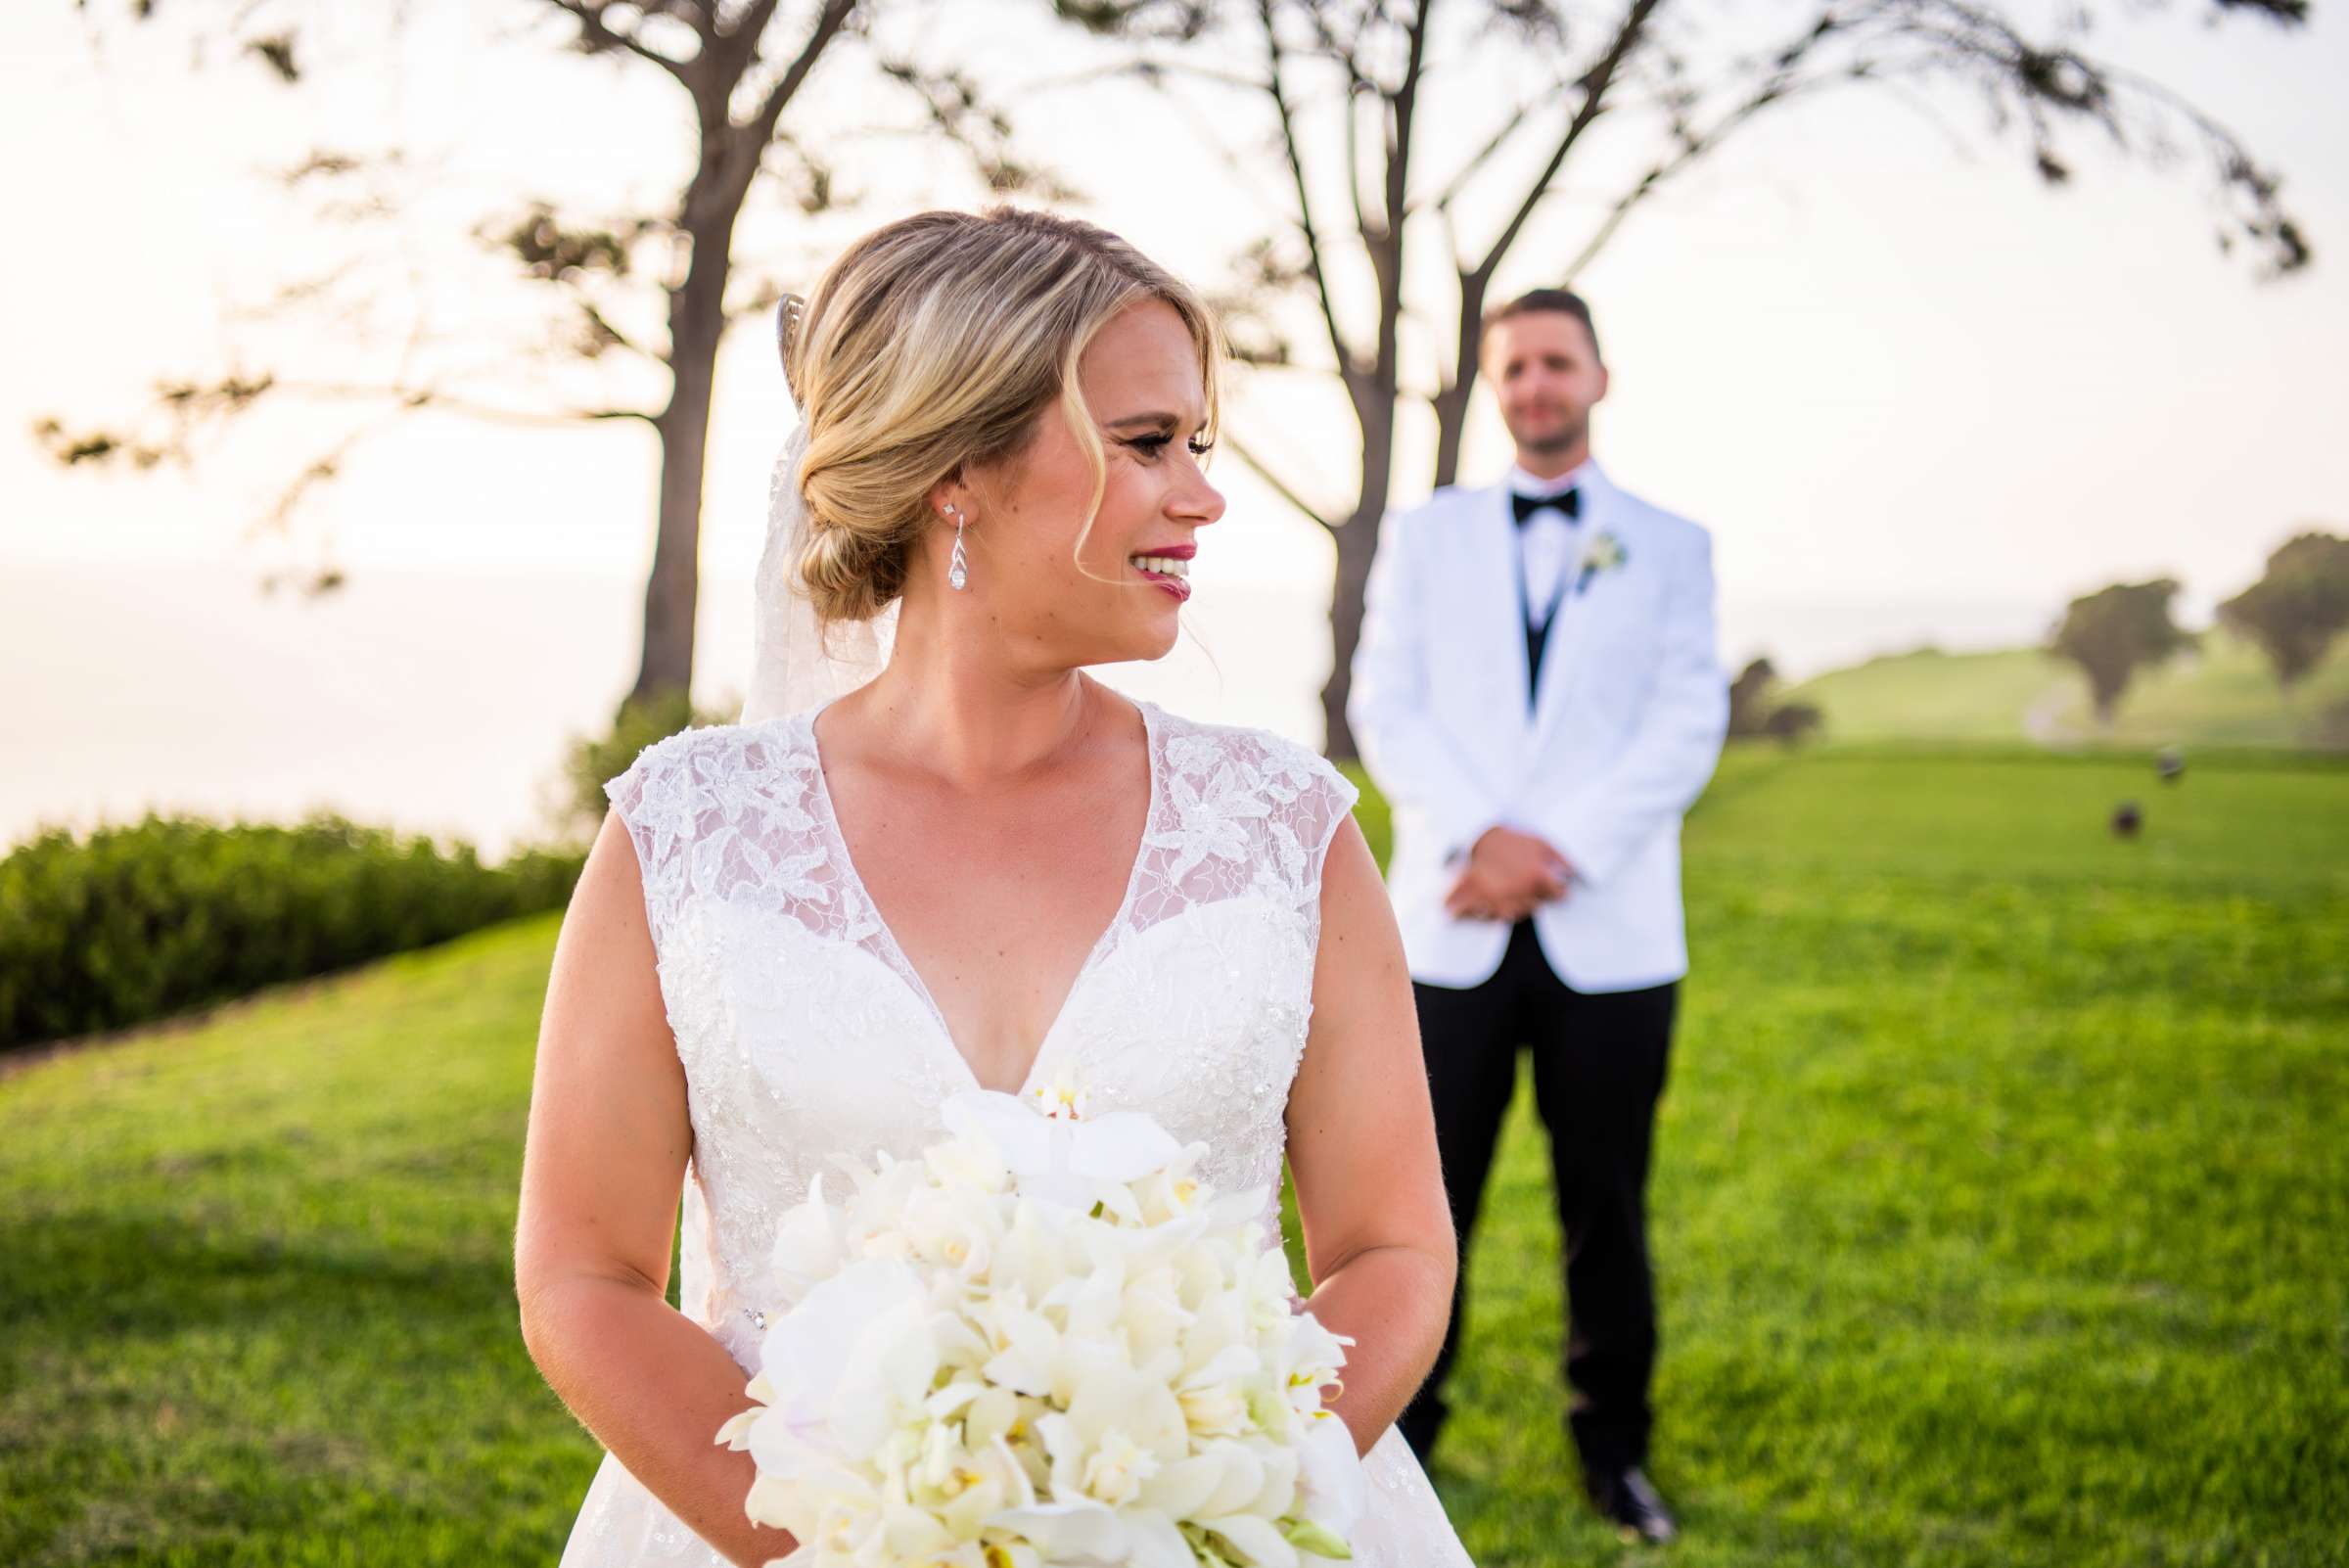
1563	437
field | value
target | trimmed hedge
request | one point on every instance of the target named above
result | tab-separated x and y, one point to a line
139	922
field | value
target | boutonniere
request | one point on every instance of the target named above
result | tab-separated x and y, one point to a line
1604	553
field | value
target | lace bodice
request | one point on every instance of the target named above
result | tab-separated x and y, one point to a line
805	1033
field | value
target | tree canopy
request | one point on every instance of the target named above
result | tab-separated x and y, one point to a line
2116	631
2298	607
658	287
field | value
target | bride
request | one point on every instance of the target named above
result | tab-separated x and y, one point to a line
965	864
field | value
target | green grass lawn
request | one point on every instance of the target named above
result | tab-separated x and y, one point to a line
2224	695
1938	696
2001	1217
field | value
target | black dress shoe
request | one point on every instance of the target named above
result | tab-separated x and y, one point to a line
1627	1498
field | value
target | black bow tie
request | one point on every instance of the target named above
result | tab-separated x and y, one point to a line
1569	502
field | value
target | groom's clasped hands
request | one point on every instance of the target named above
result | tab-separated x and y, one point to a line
1509	873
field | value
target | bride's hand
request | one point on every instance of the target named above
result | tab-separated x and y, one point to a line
606	1155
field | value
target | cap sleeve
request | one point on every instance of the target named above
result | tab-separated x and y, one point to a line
1309	799
653	802
1329	800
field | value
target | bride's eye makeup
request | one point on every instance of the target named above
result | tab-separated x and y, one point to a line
1155	446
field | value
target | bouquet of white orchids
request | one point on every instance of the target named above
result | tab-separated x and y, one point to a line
1044	1343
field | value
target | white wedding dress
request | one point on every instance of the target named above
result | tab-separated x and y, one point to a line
805	1033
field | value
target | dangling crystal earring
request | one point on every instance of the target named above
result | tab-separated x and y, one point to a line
958	566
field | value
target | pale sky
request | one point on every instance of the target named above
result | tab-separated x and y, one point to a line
1882	368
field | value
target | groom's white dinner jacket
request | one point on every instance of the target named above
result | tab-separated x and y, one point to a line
1632	705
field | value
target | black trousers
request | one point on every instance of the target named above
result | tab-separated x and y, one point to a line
1598	1070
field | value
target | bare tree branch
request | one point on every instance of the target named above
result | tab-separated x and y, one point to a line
828	21
1784	83
1295	153
734	48
1152	69
1657	173
187	406
1360	85
957	112
1475	162
602	328
598	36
1594	84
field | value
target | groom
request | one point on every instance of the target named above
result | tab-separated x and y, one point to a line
1537	693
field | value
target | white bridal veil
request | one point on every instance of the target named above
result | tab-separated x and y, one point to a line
794	662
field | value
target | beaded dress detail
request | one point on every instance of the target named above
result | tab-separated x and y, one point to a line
805	1032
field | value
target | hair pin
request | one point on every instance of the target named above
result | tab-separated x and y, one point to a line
789	312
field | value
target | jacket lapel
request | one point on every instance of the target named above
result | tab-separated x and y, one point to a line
1497	611
1563	664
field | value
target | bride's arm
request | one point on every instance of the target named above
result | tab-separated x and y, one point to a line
608	1143
1378	1233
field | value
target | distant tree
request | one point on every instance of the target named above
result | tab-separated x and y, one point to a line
2116	631
1793	721
660	286
1749	698
2296	610
1389	245
1754	710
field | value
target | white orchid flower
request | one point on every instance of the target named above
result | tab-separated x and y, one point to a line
1060	1096
967	1162
1045	1343
846	1525
1155	1541
1220	1409
992	1416
1061	1162
1114	1472
842	1363
912	1535
1078	1534
954	1227
1000	1553
809	1243
1278	1494
1242	1479
1172	1192
1331	1485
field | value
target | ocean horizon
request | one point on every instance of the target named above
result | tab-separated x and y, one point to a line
440	701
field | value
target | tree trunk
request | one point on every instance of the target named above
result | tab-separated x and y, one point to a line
671	595
1451	402
1371	388
1357	542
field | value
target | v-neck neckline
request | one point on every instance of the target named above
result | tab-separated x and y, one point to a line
902	961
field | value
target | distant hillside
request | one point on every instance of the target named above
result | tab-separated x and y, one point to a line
2222	696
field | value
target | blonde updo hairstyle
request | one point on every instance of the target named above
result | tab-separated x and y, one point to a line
934	342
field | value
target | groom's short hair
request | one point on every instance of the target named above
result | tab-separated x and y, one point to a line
1563	300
